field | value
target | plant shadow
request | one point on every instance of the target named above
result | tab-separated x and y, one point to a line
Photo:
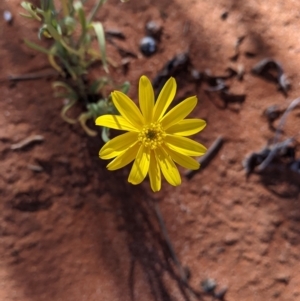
146	242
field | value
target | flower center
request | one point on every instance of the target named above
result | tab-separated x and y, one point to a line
152	135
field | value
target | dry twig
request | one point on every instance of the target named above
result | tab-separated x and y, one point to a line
25	142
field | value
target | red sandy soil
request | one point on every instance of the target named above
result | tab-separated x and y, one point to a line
76	232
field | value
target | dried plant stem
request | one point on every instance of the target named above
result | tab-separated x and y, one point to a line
25	142
274	151
291	107
209	155
168	241
29	76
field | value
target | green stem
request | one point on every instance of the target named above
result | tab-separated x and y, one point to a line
94	11
46	4
65	7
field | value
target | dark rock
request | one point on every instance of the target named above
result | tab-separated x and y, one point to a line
148	46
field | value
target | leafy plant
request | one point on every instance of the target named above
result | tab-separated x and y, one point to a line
71	53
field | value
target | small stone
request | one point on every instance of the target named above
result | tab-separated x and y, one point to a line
35	167
224	15
285	278
148	46
252	257
7	16
196	75
295	166
153	29
208	285
231	238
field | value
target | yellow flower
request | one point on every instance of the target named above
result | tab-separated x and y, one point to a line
154	140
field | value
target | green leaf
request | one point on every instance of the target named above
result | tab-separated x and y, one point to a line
56	36
64	110
47	4
32	10
43	31
105	134
51	59
101	41
79	9
69	90
83	119
37	47
71	95
98	84
95	9
54	33
70	24
125	87
68	67
65	7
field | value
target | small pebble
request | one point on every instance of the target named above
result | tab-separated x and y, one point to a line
35	167
284	278
224	15
196	75
7	16
231	239
208	285
148	46
295	166
153	29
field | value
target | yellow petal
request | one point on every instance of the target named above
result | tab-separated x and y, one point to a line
187	127
164	99
118	145
124	158
128	109
179	112
168	167
140	166
185	145
146	98
154	173
183	160
115	122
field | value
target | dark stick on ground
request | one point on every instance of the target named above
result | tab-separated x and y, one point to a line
274	151
30	76
264	68
210	154
182	273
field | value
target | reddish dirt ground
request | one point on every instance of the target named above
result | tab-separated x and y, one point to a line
76	232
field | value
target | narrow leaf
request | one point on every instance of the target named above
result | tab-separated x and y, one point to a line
83	119
105	134
101	41
37	47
